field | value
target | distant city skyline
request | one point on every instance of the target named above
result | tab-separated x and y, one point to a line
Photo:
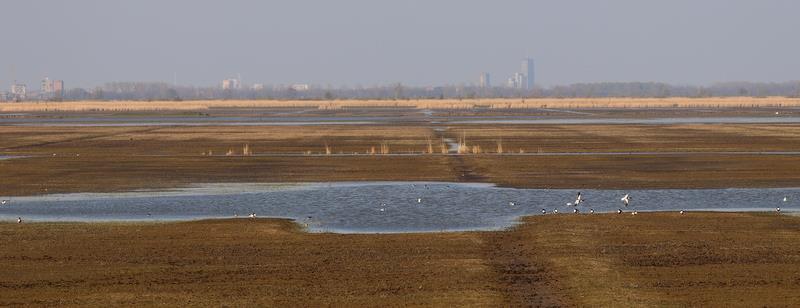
382	42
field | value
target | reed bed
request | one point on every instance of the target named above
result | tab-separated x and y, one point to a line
677	102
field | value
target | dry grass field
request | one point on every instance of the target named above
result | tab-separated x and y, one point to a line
83	106
653	259
124	158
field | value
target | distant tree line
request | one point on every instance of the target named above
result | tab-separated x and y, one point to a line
165	91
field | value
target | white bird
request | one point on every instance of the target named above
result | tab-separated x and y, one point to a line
619	211
512	203
419	200
578	199
555	211
544	212
569	203
778	210
575	211
634	213
252	215
19	220
626	200
383	210
682	212
591	211
785	199
3	202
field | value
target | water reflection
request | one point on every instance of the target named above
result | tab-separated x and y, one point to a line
379	206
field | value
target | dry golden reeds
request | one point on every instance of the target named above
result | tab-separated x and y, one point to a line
463	148
476	149
500	103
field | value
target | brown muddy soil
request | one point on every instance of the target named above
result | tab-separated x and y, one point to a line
652	259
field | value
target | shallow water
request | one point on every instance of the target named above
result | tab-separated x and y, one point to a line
378	207
4	157
362	120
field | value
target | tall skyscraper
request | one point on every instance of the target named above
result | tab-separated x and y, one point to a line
528	70
485	81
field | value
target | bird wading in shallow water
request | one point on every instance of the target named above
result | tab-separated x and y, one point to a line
578	199
626	200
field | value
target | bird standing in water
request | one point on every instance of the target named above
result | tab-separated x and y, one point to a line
578	199
626	200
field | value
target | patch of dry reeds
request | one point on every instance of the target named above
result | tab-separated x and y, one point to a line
500	103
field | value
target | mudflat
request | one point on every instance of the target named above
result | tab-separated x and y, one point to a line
651	259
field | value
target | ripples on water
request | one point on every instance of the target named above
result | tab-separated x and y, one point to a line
378	207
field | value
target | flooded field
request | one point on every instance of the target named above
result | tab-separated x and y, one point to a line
381	207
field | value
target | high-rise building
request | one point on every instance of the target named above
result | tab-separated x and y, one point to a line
47	85
485	81
231	84
58	88
19	91
51	88
528	71
520	81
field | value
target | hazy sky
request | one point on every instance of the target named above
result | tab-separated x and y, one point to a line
369	42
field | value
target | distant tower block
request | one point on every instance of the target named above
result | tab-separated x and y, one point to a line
528	70
485	81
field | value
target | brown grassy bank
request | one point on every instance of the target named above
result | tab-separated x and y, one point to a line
653	259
